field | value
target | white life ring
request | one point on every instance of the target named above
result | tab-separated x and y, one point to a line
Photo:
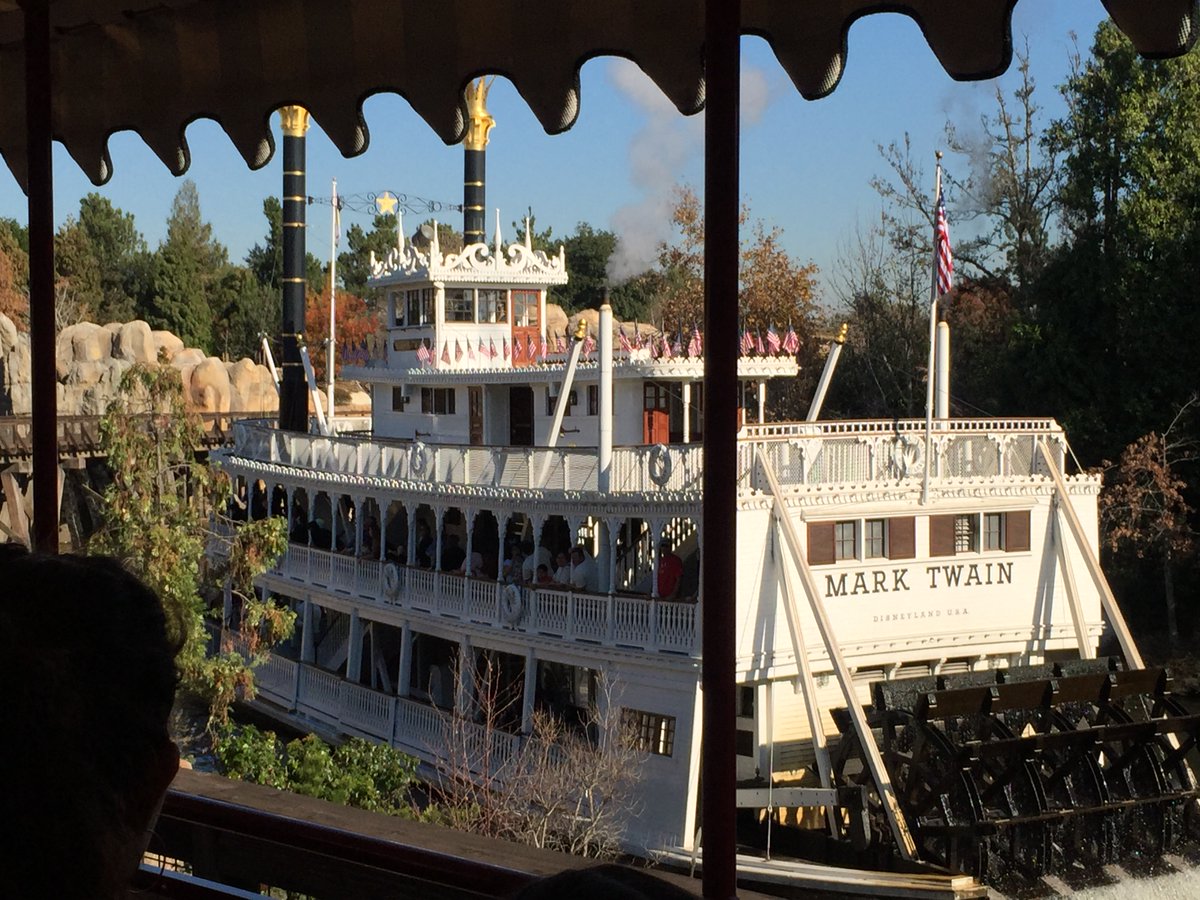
660	464
391	580
512	604
418	458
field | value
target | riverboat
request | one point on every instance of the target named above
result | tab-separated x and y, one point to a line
919	603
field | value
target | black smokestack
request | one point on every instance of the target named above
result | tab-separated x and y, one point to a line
474	161
293	388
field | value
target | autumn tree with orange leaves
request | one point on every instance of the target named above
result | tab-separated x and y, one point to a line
356	322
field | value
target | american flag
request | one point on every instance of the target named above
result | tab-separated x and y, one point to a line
791	341
677	347
560	345
696	344
945	259
545	348
758	344
637	336
773	341
652	346
518	349
483	351
747	342
623	340
504	345
530	348
665	353
589	345
446	353
423	354
458	351
470	352
492	351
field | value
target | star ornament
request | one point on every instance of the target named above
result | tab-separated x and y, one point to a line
386	204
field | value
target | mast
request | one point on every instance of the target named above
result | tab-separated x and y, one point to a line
293	391
474	152
335	227
930	375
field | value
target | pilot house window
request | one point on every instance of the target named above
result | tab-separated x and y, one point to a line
437	401
459	305
652	733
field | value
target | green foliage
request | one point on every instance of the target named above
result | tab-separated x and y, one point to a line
244	310
354	265
102	260
157	515
358	773
265	260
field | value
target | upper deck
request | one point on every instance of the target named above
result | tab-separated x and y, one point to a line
808	457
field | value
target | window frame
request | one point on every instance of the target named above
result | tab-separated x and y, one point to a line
966	533
463	309
840	539
433	397
653	733
870	541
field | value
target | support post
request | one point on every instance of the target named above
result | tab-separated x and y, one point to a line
604	474
354	652
530	694
38	137
722	68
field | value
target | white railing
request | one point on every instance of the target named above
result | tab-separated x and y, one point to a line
277	679
803	453
417	727
636	622
553	469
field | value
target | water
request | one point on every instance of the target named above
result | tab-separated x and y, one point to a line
1183	885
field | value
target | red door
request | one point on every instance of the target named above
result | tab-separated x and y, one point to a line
656	417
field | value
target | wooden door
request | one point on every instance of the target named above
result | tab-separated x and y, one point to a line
656	417
475	412
526	326
520	416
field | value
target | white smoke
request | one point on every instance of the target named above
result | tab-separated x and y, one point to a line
658	153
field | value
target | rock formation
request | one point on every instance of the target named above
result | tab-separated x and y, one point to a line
92	358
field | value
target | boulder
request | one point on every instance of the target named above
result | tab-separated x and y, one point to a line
90	343
210	389
8	334
557	321
185	359
87	373
243	385
65	349
135	343
166	343
17	362
21	397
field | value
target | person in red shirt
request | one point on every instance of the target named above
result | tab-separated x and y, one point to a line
670	571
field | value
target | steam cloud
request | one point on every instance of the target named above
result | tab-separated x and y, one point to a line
663	148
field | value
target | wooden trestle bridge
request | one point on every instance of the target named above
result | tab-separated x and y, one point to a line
81	470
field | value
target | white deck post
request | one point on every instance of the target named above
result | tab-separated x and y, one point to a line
687	412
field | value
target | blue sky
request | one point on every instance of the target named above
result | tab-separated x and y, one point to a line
805	165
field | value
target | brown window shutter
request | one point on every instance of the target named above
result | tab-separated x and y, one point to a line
941	535
902	537
820	543
1016	530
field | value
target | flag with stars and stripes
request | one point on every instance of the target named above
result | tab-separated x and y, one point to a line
458	351
665	353
560	344
623	340
696	344
791	341
470	351
423	354
518	349
773	342
589	345
759	347
504	345
446	353
747	342
944	258
530	348
677	347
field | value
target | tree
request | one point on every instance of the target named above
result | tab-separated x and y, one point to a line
157	517
354	264
357	773
14	279
244	311
1012	187
186	267
265	260
355	323
1143	508
102	260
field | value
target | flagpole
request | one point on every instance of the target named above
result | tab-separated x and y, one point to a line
329	357
933	307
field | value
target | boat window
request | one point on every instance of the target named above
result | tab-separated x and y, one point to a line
993	531
492	306
420	306
593	400
460	305
654	733
396	301
845	540
966	533
525	308
875	539
437	401
398	399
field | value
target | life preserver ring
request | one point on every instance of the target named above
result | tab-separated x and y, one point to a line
660	464
512	604
391	580
418	458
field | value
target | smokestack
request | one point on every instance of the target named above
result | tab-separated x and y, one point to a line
293	388
474	161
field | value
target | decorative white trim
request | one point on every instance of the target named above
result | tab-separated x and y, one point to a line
519	264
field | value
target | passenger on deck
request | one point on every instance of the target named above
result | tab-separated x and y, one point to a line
584	574
425	546
370	539
544	578
562	574
91	672
453	555
670	571
534	557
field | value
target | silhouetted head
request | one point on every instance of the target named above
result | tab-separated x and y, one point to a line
90	681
